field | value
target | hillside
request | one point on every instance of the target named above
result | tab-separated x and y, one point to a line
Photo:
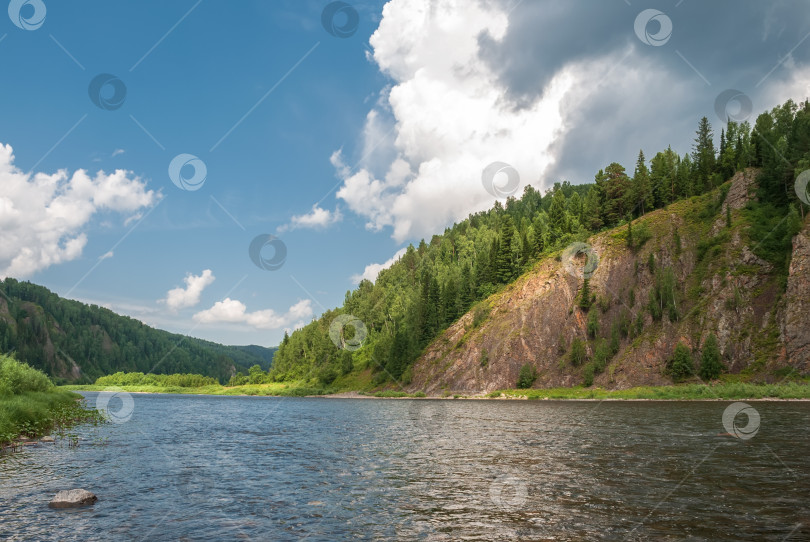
711	258
75	342
712	283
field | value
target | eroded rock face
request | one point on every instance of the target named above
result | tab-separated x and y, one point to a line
72	498
796	323
730	292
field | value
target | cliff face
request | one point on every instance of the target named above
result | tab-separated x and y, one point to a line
720	287
795	321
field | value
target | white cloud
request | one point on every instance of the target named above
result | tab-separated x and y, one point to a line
106	256
42	216
373	269
234	311
181	298
318	218
118	152
452	117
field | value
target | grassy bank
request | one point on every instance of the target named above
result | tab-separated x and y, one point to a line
31	406
726	390
272	389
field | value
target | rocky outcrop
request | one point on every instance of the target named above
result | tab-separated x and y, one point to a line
721	287
72	498
796	316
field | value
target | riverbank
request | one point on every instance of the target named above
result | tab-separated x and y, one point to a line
30	406
720	391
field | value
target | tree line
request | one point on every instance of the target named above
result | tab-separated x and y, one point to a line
437	281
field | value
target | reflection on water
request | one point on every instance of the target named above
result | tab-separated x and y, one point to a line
189	468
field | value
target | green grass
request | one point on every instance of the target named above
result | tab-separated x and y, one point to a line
31	406
725	390
294	389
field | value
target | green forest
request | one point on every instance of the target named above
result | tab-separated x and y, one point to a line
51	334
439	280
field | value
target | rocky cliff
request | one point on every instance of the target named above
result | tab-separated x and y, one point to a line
720	286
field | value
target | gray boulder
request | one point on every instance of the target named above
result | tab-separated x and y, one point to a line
72	498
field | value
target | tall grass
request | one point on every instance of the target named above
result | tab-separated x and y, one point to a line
31	406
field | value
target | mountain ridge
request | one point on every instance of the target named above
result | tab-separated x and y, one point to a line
74	342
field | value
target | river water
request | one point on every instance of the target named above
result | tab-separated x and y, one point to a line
179	467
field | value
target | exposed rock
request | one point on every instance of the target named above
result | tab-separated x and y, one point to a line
738	195
796	322
47	438
535	319
72	498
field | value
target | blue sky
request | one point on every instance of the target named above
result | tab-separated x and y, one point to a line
386	131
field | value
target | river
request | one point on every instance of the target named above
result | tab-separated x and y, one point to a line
180	467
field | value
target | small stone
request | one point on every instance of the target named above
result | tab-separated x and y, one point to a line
47	438
72	498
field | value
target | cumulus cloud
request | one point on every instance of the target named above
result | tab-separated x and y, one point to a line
234	311
452	118
318	218
181	298
42	217
373	269
553	92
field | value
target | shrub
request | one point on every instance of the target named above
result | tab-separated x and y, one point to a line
593	324
587	375
662	296
577	354
480	314
484	357
238	380
642	235
527	376
601	356
639	324
710	365
615	339
17	377
681	366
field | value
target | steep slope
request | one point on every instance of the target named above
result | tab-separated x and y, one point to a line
75	342
720	286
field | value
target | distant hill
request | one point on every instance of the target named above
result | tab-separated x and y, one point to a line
75	342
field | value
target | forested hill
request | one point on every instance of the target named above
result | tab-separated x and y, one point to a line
402	317
75	342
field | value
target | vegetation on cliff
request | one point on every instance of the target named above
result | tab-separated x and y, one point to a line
390	323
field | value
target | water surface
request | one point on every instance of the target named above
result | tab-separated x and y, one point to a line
249	468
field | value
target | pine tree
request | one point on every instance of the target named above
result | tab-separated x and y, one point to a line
703	155
592	212
538	237
556	217
585	296
505	265
681	365
710	365
642	189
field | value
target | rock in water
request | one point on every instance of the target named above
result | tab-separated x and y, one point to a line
72	498
47	438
